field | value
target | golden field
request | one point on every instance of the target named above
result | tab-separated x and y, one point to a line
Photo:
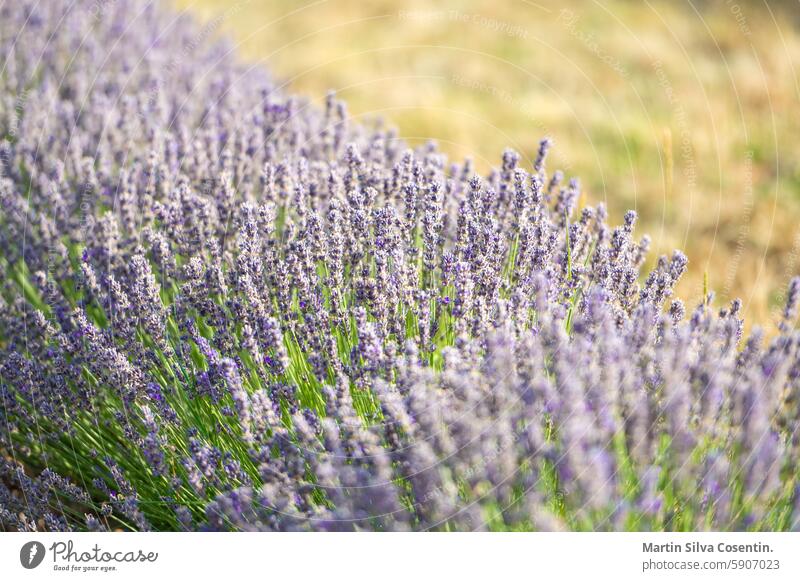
686	112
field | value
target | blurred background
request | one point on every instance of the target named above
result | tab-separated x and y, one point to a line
685	111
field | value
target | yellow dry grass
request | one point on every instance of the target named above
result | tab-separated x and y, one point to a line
687	113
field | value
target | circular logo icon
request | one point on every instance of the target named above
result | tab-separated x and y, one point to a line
31	554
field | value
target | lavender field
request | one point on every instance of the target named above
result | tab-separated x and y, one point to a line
225	308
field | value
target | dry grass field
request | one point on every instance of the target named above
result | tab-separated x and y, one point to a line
685	111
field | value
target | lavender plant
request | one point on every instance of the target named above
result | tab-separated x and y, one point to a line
224	308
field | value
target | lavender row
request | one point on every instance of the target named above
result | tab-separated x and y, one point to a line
226	308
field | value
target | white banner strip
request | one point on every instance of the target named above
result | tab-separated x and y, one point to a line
409	556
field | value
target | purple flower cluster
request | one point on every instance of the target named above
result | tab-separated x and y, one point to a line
224	308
